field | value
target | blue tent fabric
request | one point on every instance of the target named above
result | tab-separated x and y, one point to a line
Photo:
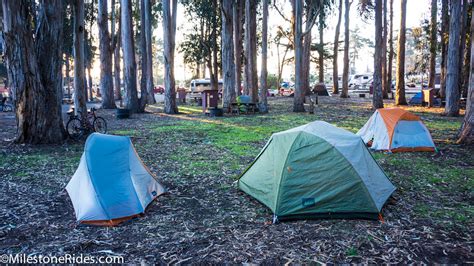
417	98
111	181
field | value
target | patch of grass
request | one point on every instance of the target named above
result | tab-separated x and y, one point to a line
125	132
352	251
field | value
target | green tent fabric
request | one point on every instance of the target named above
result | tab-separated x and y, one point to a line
317	171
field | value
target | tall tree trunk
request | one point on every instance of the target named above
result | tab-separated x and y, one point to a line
298	103
263	104
388	85
321	48
433	43
80	92
384	51
452	77
335	74
169	33
213	64
466	134
444	45
237	20
400	89
377	99
466	65
35	69
149	53
251	49
464	51
143	60
68	75
345	71
307	51
227	53
89	85
129	63
106	81
116	47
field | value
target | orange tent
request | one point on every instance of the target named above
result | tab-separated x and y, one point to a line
396	130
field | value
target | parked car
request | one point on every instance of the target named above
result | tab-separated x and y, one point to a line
286	91
159	89
272	92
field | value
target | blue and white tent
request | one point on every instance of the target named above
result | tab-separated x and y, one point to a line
111	184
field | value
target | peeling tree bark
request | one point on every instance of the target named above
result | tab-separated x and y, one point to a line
34	69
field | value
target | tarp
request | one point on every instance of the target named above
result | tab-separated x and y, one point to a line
111	183
317	171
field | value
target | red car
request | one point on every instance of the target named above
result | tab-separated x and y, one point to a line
159	89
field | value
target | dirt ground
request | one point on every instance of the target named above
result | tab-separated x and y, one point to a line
206	219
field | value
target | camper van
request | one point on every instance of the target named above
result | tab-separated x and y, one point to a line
199	85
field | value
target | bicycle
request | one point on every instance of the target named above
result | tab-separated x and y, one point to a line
79	125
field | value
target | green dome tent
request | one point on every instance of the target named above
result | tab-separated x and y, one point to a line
317	171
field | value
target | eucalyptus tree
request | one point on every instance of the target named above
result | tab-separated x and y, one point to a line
169	34
129	63
149	51
466	134
444	45
238	37
453	60
263	104
377	99
116	48
433	42
201	47
335	75
345	72
388	84
106	81
400	87
227	46
80	93
251	75
33	54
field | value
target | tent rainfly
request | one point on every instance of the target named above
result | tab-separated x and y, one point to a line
111	184
396	130
317	171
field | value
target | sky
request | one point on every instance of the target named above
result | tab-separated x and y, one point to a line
416	11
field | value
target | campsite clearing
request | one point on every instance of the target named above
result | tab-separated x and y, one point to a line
206	218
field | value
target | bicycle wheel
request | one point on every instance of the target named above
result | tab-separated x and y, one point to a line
74	128
7	108
100	125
